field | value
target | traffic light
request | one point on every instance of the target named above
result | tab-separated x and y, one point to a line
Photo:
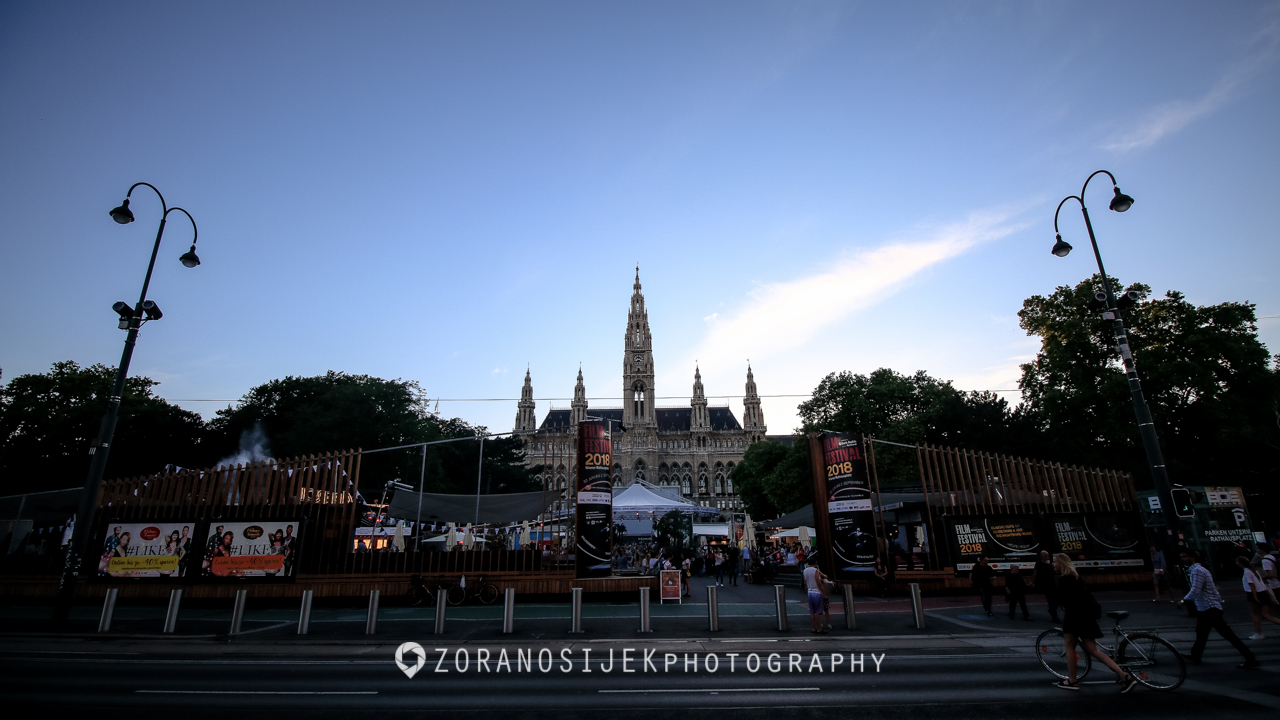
1182	502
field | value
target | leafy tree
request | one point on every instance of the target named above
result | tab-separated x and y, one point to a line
48	420
1210	383
673	533
338	411
773	478
914	409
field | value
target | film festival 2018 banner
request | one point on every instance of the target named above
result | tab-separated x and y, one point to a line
594	552
1094	540
253	549
146	550
850	520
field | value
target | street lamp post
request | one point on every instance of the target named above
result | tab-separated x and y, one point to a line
131	319
1146	428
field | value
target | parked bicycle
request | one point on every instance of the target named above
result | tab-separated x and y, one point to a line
1152	660
486	593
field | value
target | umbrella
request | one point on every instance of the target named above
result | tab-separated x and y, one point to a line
398	541
749	534
468	538
524	533
450	538
804	537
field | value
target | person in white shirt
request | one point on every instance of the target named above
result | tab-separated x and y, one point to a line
813	582
1255	593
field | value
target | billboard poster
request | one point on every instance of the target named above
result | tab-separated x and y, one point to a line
146	550
594	551
1098	540
1009	541
850	519
251	549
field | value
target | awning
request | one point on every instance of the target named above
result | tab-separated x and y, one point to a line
438	508
794	519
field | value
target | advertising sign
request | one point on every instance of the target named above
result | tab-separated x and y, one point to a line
1097	540
146	550
850	520
670	585
594	552
1009	541
251	549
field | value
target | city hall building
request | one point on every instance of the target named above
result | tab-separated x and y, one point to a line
689	449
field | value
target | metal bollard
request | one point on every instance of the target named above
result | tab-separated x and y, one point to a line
108	609
713	609
917	606
576	612
441	601
171	615
850	615
644	610
304	617
371	624
237	611
780	599
509	611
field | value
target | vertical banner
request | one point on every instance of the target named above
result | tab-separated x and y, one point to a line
594	551
848	519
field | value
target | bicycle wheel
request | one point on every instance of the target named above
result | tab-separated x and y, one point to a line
1154	661
456	595
1052	651
488	594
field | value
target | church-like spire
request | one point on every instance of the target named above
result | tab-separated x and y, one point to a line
526	417
753	416
699	420
578	408
638	391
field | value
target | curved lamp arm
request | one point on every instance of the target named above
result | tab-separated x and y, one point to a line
163	205
195	232
1059	210
1086	182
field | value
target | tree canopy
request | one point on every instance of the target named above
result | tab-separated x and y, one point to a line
773	478
1211	385
48	420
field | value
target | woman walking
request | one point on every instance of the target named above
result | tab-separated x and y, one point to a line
1256	595
1080	625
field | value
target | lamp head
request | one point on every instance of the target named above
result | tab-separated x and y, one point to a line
1062	248
1121	202
123	214
189	258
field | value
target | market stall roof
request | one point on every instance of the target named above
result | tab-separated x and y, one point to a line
638	498
503	509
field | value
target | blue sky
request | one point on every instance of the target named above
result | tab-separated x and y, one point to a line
448	192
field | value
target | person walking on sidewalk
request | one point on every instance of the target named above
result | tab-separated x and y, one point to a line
731	560
719	562
1046	582
813	582
1080	613
1256	594
981	576
1015	589
1204	594
1159	574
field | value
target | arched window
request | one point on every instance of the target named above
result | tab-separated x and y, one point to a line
702	484
638	402
662	479
686	486
639	469
719	484
617	473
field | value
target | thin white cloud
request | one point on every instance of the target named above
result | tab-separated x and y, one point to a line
711	318
1171	117
781	317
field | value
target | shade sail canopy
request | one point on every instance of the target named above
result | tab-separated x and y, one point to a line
794	519
494	509
638	498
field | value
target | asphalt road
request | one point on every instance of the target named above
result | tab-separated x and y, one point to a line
985	676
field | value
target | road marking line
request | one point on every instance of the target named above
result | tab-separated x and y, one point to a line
713	690
258	692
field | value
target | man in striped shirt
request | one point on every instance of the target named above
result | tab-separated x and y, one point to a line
1204	593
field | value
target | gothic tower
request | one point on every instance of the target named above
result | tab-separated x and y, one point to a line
637	365
578	408
753	417
699	421
526	418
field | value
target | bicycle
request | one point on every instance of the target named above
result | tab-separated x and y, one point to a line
1152	660
486	593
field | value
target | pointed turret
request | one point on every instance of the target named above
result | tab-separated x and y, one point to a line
699	420
526	418
637	364
578	408
753	416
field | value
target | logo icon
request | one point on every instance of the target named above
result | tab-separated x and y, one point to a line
411	648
